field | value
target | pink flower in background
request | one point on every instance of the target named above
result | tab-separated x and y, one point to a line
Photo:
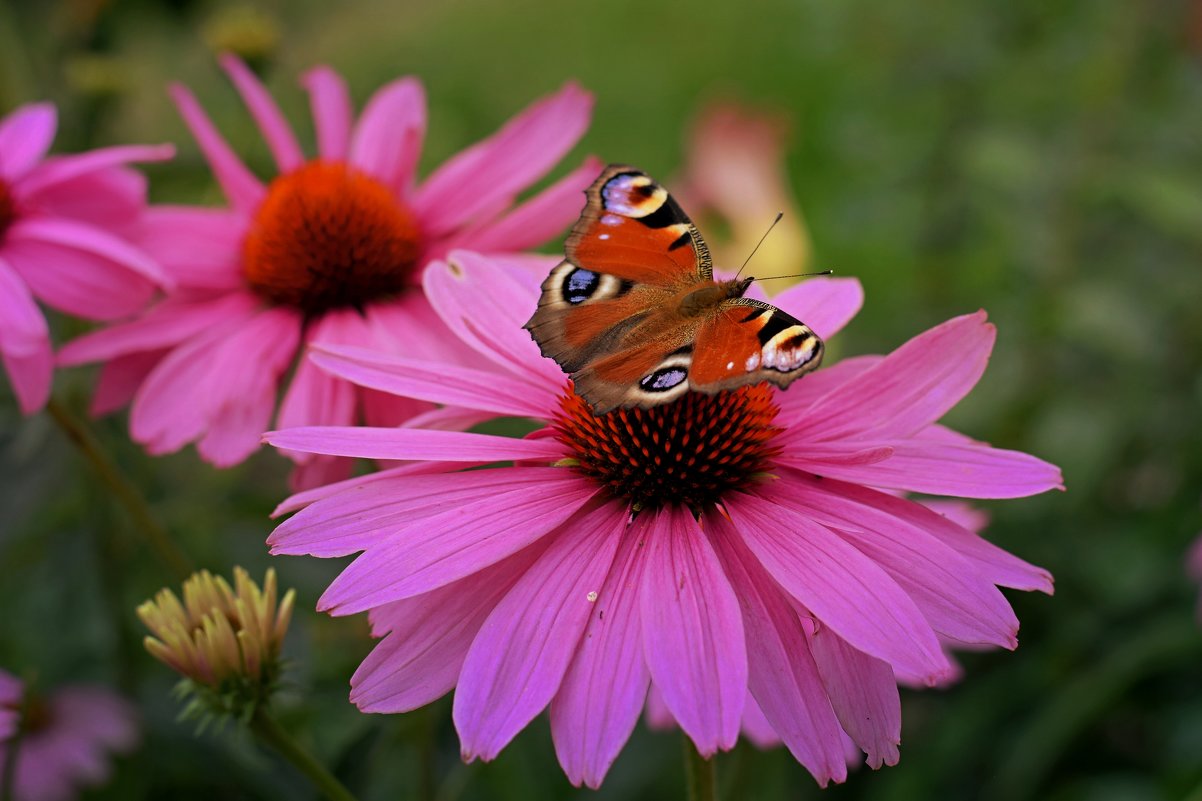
62	222
331	250
736	170
65	740
11	691
709	548
1193	567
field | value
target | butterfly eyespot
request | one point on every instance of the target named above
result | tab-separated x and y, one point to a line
663	379
580	285
633	196
791	349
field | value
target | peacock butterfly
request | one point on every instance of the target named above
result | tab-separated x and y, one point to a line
634	314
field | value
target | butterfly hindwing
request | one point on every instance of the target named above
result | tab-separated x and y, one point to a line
747	341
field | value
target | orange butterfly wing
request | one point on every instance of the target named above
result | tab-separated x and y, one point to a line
632	229
747	341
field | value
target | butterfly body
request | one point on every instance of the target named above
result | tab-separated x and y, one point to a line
635	316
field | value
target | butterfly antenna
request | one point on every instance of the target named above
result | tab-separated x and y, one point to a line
779	214
795	275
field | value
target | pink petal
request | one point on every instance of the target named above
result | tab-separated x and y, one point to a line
539	219
961	513
197	247
25	138
407	444
23	329
824	304
353	521
248	371
319	471
965	471
460	541
428	638
599	700
432	381
31	375
63	169
110	200
89	275
167	324
304	498
845	590
120	379
692	631
243	190
908	389
783	676
408	326
658	717
315	397
88	239
280	139
388	137
957	600
383	409
492	172
518	659
220	386
796	401
493	329
447	418
332	112
757	728
996	565
863	694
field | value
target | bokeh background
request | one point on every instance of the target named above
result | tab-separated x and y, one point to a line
1040	160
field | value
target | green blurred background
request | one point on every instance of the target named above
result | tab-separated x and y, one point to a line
1040	160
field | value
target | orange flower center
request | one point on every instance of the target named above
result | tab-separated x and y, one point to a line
689	451
329	236
8	208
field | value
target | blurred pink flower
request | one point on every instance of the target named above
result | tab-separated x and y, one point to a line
11	691
62	223
1193	567
735	170
329	251
709	548
65	740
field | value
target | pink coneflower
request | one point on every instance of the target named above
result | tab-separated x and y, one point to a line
62	219
330	250
64	740
711	547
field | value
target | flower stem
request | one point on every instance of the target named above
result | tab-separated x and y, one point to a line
135	505
701	778
270	732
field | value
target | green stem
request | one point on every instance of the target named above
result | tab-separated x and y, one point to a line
135	505
701	778
270	732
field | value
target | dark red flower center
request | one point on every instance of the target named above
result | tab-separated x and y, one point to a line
36	714
8	208
689	451
328	236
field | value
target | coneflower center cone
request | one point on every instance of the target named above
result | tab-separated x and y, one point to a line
328	236
690	451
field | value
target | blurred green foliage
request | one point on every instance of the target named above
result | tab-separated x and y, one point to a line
1040	160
